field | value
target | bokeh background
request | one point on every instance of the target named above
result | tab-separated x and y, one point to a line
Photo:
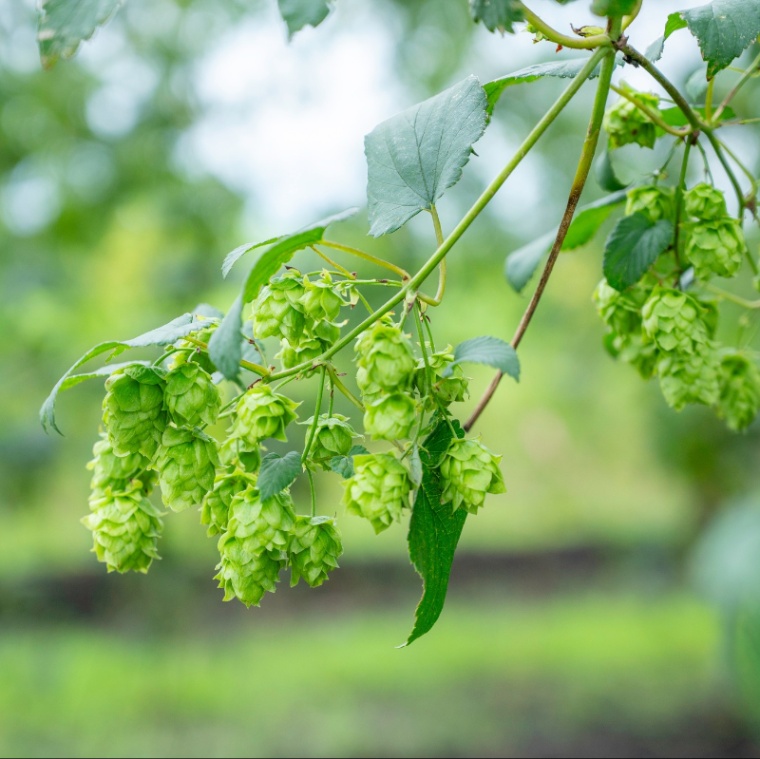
606	605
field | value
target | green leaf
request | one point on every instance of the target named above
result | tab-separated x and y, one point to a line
655	50
612	7
344	465
633	246
303	237
724	29
675	22
165	335
415	156
496	14
225	348
300	13
696	86
605	174
675	117
434	532
490	351
522	264
63	24
278	472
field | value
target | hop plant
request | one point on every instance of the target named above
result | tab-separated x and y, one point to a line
378	490
705	202
390	418
261	413
739	381
191	397
247	570
676	322
385	361
116	473
625	123
215	509
133	410
715	248
186	467
320	300
688	378
654	201
315	547
125	529
333	437
469	472
278	311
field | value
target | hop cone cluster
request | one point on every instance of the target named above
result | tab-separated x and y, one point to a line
469	472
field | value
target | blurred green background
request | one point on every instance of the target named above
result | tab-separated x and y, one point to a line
572	627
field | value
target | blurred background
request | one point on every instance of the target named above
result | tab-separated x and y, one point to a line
606	605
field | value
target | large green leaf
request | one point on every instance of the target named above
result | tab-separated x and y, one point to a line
277	473
415	156
633	246
434	532
724	29
300	13
490	351
496	14
605	174
165	335
63	24
225	348
522	264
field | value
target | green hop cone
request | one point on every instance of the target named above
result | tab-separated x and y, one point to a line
321	301
450	385
237	453
315	547
191	398
125	528
385	360
277	311
633	349
390	418
690	378
190	352
625	123
676	322
247	570
307	350
116	473
261	413
333	437
215	509
133	410
654	201
739	381
715	248
620	311
705	202
469	471
186	467
379	489
267	525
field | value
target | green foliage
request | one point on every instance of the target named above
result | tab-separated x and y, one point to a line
490	351
300	13
277	473
496	14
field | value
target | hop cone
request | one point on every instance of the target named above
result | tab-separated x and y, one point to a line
715	248
215	509
633	350
320	300
186	468
705	202
247	570
385	360
192	399
469	471
390	418
116	473
620	311
236	452
125	529
739	380
449	383
690	378
625	123
266	525
314	550
307	350
378	490
334	437
676	322
277	311
261	413
653	201
133	410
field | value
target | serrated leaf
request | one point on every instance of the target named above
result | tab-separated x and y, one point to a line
277	473
724	29
225	348
655	50
64	24
496	14
434	531
605	174
675	22
300	13
415	156
633	246
613	7
165	335
344	465
490	351
304	239
675	117
522	263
